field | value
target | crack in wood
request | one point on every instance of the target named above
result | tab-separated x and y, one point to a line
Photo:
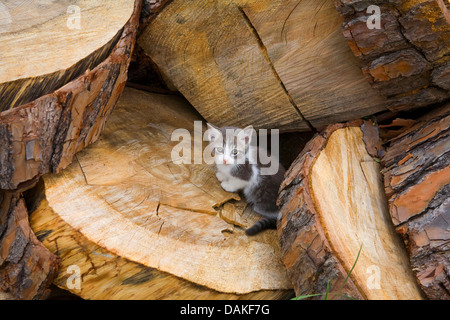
82	171
264	52
287	18
160	227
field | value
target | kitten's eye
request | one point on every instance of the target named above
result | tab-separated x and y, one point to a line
234	152
219	150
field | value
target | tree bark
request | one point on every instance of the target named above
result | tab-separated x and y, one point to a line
407	58
43	135
333	206
417	180
272	64
27	268
155	216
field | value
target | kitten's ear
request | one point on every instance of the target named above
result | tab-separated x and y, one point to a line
246	134
213	132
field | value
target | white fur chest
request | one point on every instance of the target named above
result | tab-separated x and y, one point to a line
231	183
224	170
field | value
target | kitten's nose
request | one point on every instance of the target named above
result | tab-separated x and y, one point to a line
224	161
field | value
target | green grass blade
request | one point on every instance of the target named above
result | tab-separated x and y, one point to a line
307	296
350	272
328	289
328	293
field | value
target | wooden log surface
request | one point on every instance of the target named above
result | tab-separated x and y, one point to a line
407	57
238	65
272	64
154	217
150	9
46	44
43	135
417	180
333	206
105	275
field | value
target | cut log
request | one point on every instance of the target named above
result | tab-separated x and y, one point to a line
273	64
105	275
170	227
46	44
43	135
417	181
27	268
333	207
407	57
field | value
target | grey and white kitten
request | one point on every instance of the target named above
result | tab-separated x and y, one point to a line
239	169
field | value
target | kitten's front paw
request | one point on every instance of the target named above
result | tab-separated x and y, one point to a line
220	176
227	186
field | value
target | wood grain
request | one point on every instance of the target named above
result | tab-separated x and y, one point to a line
41	50
306	47
107	276
129	197
272	64
333	205
43	135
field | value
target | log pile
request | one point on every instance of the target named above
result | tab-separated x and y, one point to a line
140	224
274	64
333	206
42	135
170	227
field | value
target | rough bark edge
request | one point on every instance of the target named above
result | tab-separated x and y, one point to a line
312	267
408	59
27	268
22	91
150	9
425	231
43	135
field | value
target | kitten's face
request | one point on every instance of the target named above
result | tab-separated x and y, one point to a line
231	144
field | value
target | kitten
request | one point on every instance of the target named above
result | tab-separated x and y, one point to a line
239	169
